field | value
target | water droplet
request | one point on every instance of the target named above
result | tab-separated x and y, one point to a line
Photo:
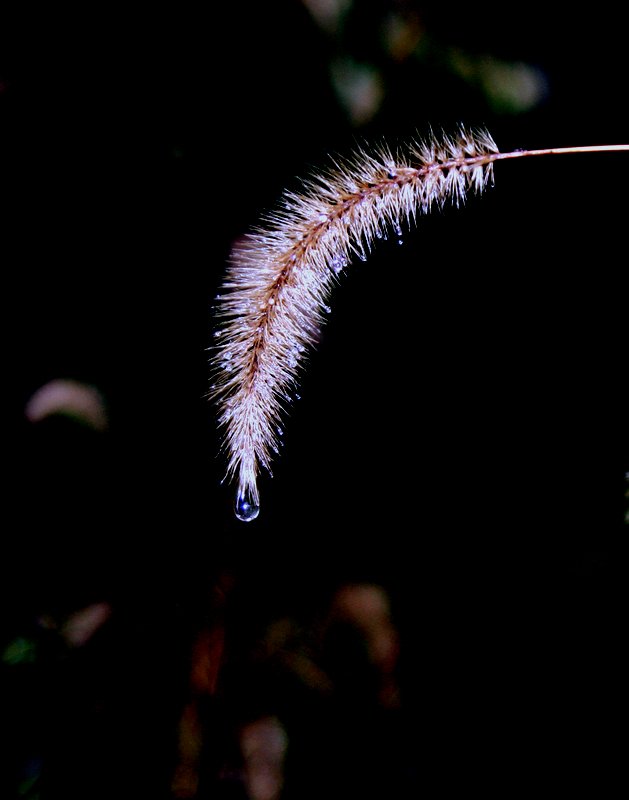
338	263
327	309
246	508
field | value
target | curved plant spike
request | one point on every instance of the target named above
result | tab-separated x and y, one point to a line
277	287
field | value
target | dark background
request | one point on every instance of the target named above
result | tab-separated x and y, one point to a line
462	437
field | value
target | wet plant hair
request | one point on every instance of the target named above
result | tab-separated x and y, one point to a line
275	295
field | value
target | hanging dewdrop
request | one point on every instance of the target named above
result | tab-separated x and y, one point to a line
275	295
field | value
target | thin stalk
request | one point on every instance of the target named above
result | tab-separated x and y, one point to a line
558	151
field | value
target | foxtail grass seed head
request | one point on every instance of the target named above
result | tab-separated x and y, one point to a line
275	296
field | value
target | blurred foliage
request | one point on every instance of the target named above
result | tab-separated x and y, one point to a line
396	36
